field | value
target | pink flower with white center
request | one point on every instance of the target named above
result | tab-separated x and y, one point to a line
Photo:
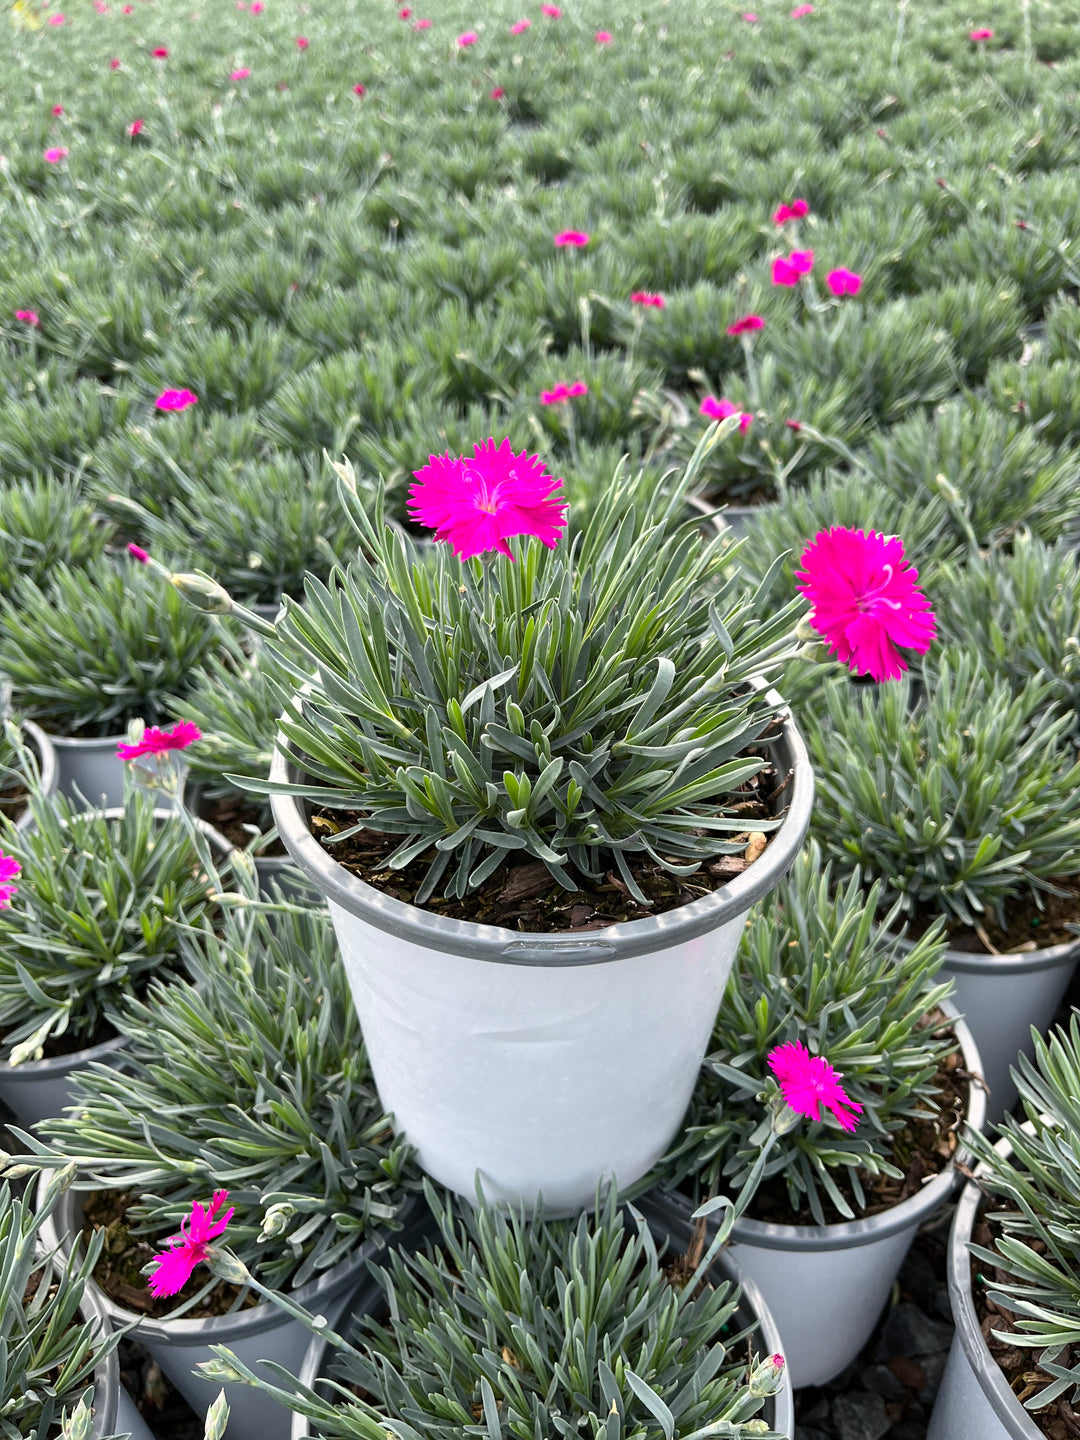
175	400
469	37
520	26
843	282
477	503
864	600
648	298
241	74
575	239
603	37
746	323
56	154
58	110
191	1247
10	869
809	1082
138	553
302	42
714	409
28	317
156	741
135	128
978	35
551	11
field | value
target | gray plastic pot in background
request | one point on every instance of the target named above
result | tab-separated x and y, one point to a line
262	1332
974	1401
48	767
1001	997
90	769
667	1225
828	1284
114	1411
544	1064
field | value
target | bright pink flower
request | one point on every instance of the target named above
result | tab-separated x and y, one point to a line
603	37
404	13
783	272
302	42
801	261
715	409
138	553
422	25
56	154
257	7
175	400
114	64
646	297
156	741
795	425
801	10
843	282
795	211
577	388
864	600
135	128
190	1248
809	1082
520	26
745	323
562	391
28	317
101	7
10	869
552	11
57	109
161	52
242	74
750	17
359	90
497	93
476	504
981	35
469	37
128	10
577	239
56	20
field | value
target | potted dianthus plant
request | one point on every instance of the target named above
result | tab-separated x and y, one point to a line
250	1076
27	763
539	786
1014	1265
840	1077
963	801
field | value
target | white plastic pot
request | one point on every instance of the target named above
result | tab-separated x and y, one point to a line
48	768
974	1401
1001	997
262	1332
542	1064
828	1284
667	1225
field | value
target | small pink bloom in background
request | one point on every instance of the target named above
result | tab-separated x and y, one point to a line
240	75
56	154
843	282
801	10
476	503
404	13
801	261
497	93
809	1082
101	7
56	20
469	37
191	1247
175	400
114	64
576	239
603	37
28	317
714	409
562	391
795	425
138	553
57	109
552	11
981	35
864	600
156	741
745	323
10	869
646	297
783	272
795	211
359	89
128	10
520	26
302	42
577	388
135	128
750	17
241	4
257	7
422	25
161	53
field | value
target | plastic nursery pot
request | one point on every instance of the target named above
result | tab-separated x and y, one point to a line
90	770
262	1332
974	1401
114	1411
828	1284
1001	997
48	767
545	1064
276	870
40	1089
666	1224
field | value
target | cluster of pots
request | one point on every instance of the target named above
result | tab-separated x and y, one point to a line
545	1064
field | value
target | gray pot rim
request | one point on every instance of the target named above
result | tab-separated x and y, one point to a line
971	962
752	1300
214	1329
106	1371
66	742
1014	1418
869	1229
49	769
189	797
502	946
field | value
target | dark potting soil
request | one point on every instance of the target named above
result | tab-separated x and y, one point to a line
230	813
123	1256
57	1046
1027	927
523	896
13	800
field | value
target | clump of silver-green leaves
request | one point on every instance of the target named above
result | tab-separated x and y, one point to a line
574	706
815	966
1033	1267
554	1328
253	1076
